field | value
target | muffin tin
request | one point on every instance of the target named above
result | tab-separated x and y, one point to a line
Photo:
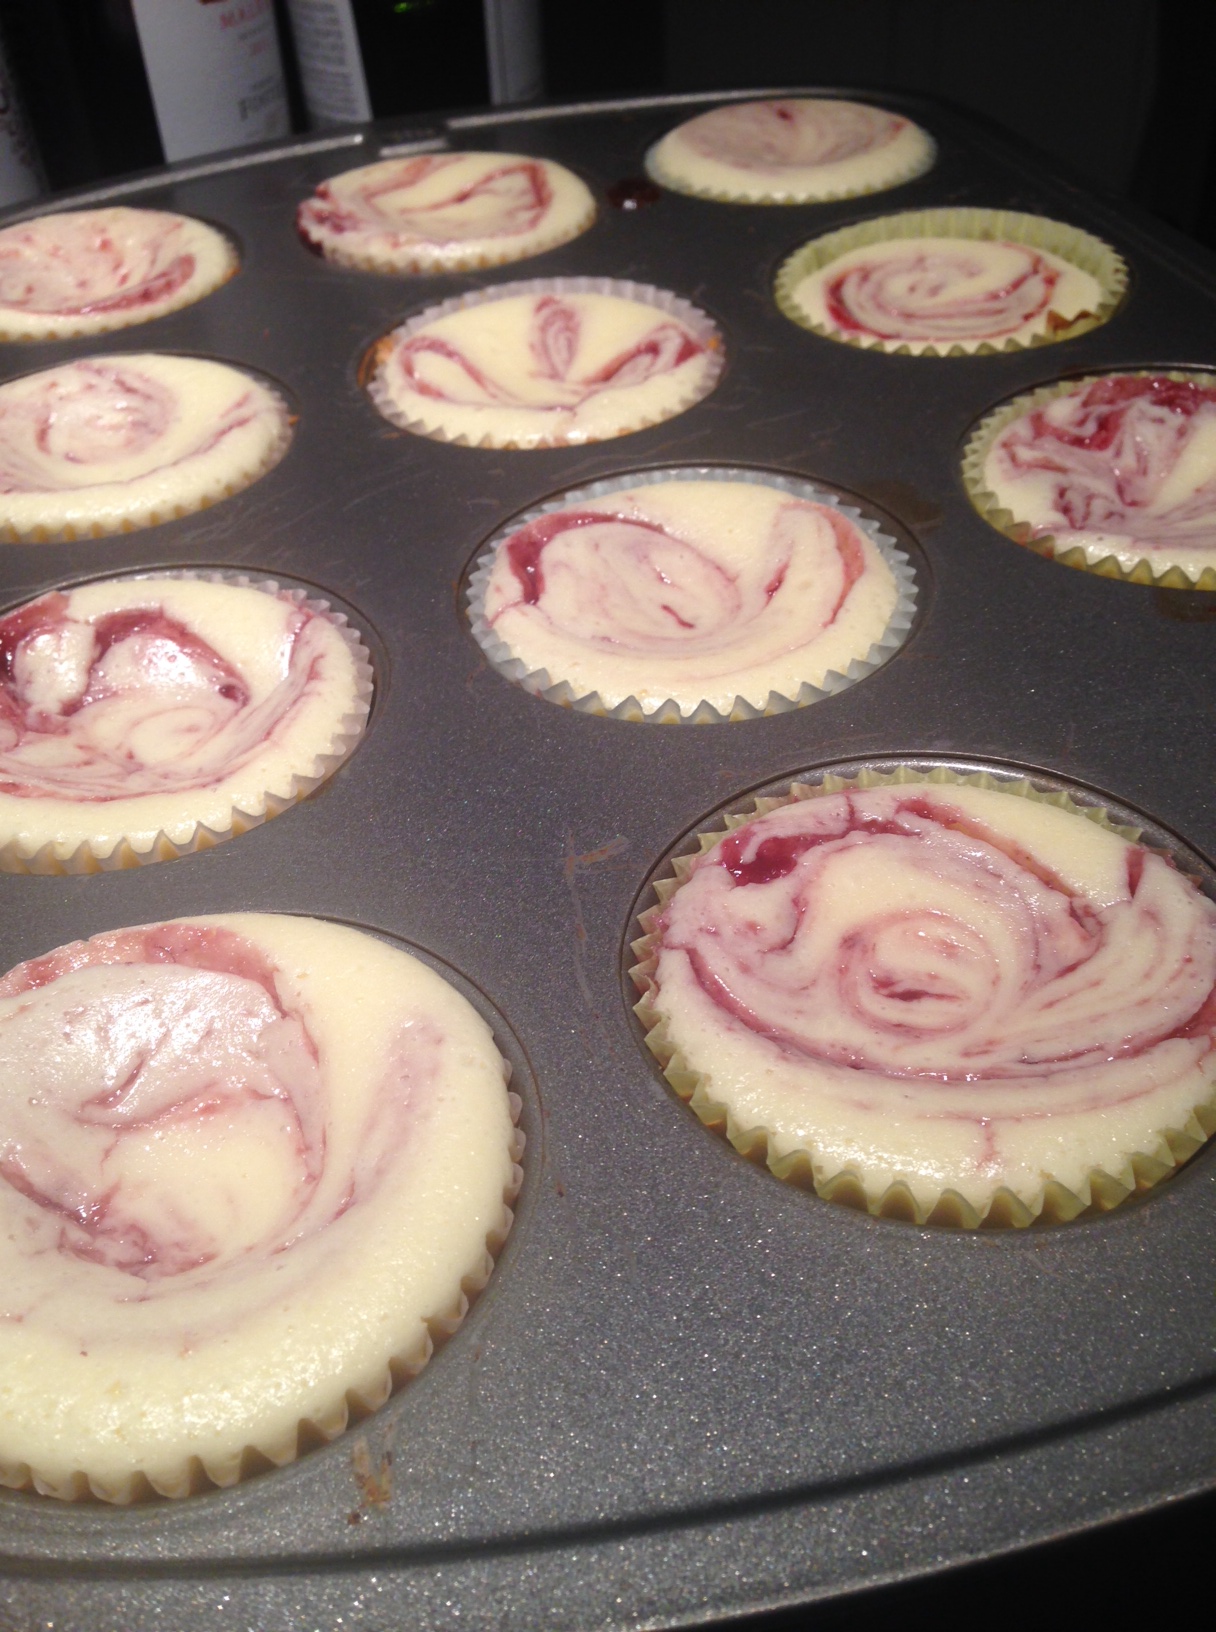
689	1390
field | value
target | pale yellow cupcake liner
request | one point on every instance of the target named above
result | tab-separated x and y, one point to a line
131	516
433	261
647	294
916	165
1072	244
353	1403
1163	1153
140	847
1087	558
669	712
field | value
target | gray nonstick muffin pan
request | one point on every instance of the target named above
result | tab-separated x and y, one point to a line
689	1390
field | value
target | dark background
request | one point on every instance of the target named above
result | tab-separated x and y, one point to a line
1120	95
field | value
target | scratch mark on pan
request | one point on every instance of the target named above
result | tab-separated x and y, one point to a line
574	863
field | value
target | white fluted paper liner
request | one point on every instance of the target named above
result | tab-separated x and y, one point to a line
1070	243
1129	566
669	712
353	1401
793	1160
431	424
136	846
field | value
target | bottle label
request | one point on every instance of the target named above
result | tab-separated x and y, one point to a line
331	64
215	73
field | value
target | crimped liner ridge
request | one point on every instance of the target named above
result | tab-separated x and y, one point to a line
1085	558
669	712
648	294
353	1404
187	837
1168	1148
1073	244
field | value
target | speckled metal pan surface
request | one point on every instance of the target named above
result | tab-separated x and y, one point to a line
689	1390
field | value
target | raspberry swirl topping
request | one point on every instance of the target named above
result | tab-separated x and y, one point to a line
143	1057
90	270
940	293
691	591
444	210
994	977
791	134
545	368
108	442
790	149
1124	465
132	701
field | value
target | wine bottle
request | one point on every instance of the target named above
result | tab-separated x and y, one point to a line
19	171
363	59
114	85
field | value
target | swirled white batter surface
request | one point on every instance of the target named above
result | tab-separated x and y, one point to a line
1123	466
135	708
941	293
955	988
544	367
87	271
243	1160
790	150
440	212
690	591
105	444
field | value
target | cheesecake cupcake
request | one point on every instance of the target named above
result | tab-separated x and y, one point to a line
1115	474
938	997
792	150
108	444
254	1168
699	595
445	212
144	718
546	363
952	282
87	271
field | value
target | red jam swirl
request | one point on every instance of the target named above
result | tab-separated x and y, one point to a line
793	134
625	583
145	1054
506	201
133	702
1109	451
930	294
93	262
893	933
554	335
94	414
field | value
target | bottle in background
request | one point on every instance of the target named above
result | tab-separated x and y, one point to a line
363	59
214	71
19	177
115	85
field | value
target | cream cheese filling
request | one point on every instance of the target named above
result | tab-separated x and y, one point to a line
690	591
946	987
441	211
243	1160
